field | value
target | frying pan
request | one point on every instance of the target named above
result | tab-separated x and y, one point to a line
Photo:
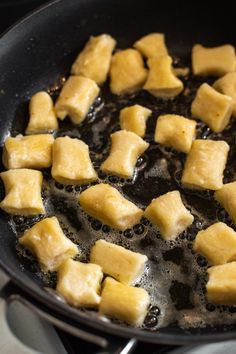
37	52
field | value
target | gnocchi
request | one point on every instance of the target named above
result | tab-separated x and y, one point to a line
32	151
106	204
205	165
212	107
71	162
227	86
22	192
123	265
126	147
161	81
80	283
175	131
124	302
169	214
94	60
152	45
134	119
127	72
48	243
42	114
76	97
226	196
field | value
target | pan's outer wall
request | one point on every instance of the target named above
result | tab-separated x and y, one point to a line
36	53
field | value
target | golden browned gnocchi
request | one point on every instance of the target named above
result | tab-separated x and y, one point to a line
127	72
94	60
80	283
212	107
227	86
32	151
106	204
152	45
124	302
71	162
221	286
205	165
42	114
22	192
48	243
123	265
161	81
217	243
76	97
134	118
215	61
175	131
226	196
126	147
169	214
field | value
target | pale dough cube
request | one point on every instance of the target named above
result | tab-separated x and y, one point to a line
126	147
48	243
42	114
106	204
169	214
161	81
123	265
22	192
221	286
94	60
71	162
32	151
134	118
80	283
217	243
215	61
226	196
227	86
124	302
205	164
127	72
175	131
152	45
212	107
76	97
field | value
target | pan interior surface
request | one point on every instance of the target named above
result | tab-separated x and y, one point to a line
36	55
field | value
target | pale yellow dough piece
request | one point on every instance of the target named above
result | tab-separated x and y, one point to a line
212	107
48	243
205	164
127	72
32	151
169	214
80	283
22	192
221	286
76	97
94	60
106	204
124	302
134	119
161	81
42	114
215	61
126	147
227	86
175	131
217	243
123	265
71	162
226	196
152	45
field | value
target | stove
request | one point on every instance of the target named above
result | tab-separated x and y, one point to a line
21	330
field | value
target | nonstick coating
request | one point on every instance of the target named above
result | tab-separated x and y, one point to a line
37	53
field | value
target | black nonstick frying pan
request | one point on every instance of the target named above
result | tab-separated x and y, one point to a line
37	53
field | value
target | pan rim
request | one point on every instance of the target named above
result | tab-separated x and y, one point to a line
83	318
